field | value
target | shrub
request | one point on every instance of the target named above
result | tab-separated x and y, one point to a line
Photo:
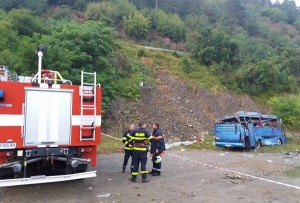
141	53
288	108
136	25
186	65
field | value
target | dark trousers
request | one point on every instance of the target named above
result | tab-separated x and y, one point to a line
137	158
128	154
156	167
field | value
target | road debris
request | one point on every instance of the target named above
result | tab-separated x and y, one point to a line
103	195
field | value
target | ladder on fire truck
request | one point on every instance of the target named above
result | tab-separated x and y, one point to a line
88	106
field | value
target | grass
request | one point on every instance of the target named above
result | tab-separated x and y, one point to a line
109	145
200	76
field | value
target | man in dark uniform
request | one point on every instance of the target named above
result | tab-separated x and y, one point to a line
128	148
157	149
140	138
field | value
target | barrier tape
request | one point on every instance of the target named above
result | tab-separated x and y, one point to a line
222	169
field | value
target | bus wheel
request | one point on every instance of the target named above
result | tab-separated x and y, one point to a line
257	144
279	142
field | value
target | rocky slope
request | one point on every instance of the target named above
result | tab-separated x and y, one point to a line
182	111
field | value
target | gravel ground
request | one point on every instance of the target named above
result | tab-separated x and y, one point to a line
188	176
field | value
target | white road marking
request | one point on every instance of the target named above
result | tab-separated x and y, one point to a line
224	169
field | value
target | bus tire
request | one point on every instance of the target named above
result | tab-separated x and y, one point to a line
279	142
257	144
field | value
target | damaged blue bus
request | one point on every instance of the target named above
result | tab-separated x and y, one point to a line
249	130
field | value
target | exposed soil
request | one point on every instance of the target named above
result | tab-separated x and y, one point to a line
183	111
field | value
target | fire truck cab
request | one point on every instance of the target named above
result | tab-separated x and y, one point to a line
49	128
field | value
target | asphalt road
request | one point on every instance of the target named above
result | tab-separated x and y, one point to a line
188	176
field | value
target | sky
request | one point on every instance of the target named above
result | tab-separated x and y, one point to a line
297	2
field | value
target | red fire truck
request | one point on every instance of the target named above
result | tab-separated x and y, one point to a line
49	128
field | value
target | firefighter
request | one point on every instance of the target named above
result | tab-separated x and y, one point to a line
140	138
128	147
157	149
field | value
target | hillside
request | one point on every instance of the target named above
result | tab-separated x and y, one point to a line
234	50
182	107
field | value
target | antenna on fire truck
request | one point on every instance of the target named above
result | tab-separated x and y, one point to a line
40	50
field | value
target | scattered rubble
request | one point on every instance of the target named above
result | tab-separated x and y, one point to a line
183	110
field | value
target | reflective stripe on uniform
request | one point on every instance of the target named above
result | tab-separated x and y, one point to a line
157	137
134	173
124	138
156	169
139	138
128	148
144	172
140	149
140	134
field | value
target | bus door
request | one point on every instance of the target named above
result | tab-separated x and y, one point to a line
251	134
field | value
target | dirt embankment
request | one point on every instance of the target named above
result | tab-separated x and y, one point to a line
181	110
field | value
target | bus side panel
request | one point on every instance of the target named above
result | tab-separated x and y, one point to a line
269	135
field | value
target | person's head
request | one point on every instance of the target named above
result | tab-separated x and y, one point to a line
131	127
142	125
155	125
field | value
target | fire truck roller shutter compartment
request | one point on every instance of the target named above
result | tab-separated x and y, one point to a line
48	116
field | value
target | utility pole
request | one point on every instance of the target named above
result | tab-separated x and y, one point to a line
156	5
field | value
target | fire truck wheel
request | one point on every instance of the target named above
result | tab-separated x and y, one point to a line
81	168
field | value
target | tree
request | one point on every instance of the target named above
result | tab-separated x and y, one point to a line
288	108
235	11
24	22
265	77
169	25
136	25
110	12
275	14
290	8
87	44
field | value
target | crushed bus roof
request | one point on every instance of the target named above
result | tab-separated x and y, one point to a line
252	115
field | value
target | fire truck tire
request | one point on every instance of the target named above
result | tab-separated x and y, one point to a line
81	168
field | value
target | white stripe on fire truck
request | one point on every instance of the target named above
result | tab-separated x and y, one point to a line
17	120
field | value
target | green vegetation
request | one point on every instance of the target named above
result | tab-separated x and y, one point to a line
288	108
109	145
136	25
247	46
177	65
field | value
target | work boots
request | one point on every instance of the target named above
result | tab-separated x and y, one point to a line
144	178
133	179
156	173
123	171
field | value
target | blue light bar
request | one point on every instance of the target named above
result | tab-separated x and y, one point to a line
1	95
